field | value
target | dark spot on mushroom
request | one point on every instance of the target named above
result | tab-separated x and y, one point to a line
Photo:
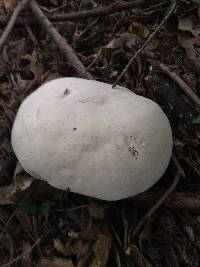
134	152
66	92
132	148
74	129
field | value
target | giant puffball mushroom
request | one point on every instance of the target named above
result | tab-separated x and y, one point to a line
96	140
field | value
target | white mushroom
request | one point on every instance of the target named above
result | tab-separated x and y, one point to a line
95	140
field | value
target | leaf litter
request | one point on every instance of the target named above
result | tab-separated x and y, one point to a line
47	227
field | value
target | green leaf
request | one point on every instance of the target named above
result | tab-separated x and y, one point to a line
196	120
28	207
196	1
44	209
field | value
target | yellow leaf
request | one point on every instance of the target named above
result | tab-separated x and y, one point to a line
135	253
9	5
95	263
139	29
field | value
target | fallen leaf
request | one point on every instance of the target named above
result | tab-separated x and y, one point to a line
10	194
190	24
123	40
79	248
102	249
6	195
139	29
22	182
9	5
190	44
59	246
35	65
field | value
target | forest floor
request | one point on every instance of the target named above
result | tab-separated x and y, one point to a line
152	48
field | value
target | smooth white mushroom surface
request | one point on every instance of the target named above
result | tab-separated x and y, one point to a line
95	140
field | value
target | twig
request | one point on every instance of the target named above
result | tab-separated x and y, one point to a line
73	16
28	250
98	11
62	44
166	194
171	9
180	200
13	214
181	83
12	21
95	59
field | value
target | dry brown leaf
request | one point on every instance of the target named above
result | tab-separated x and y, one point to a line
22	182
189	43
10	114
79	248
151	46
102	249
6	195
8	96
35	64
9	5
125	39
189	24
48	76
10	194
59	246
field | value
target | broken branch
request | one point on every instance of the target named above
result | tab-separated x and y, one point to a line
12	21
98	11
62	44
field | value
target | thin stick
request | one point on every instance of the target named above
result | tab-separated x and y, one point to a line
62	44
13	214
28	250
171	9
98	11
12	21
167	193
181	83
